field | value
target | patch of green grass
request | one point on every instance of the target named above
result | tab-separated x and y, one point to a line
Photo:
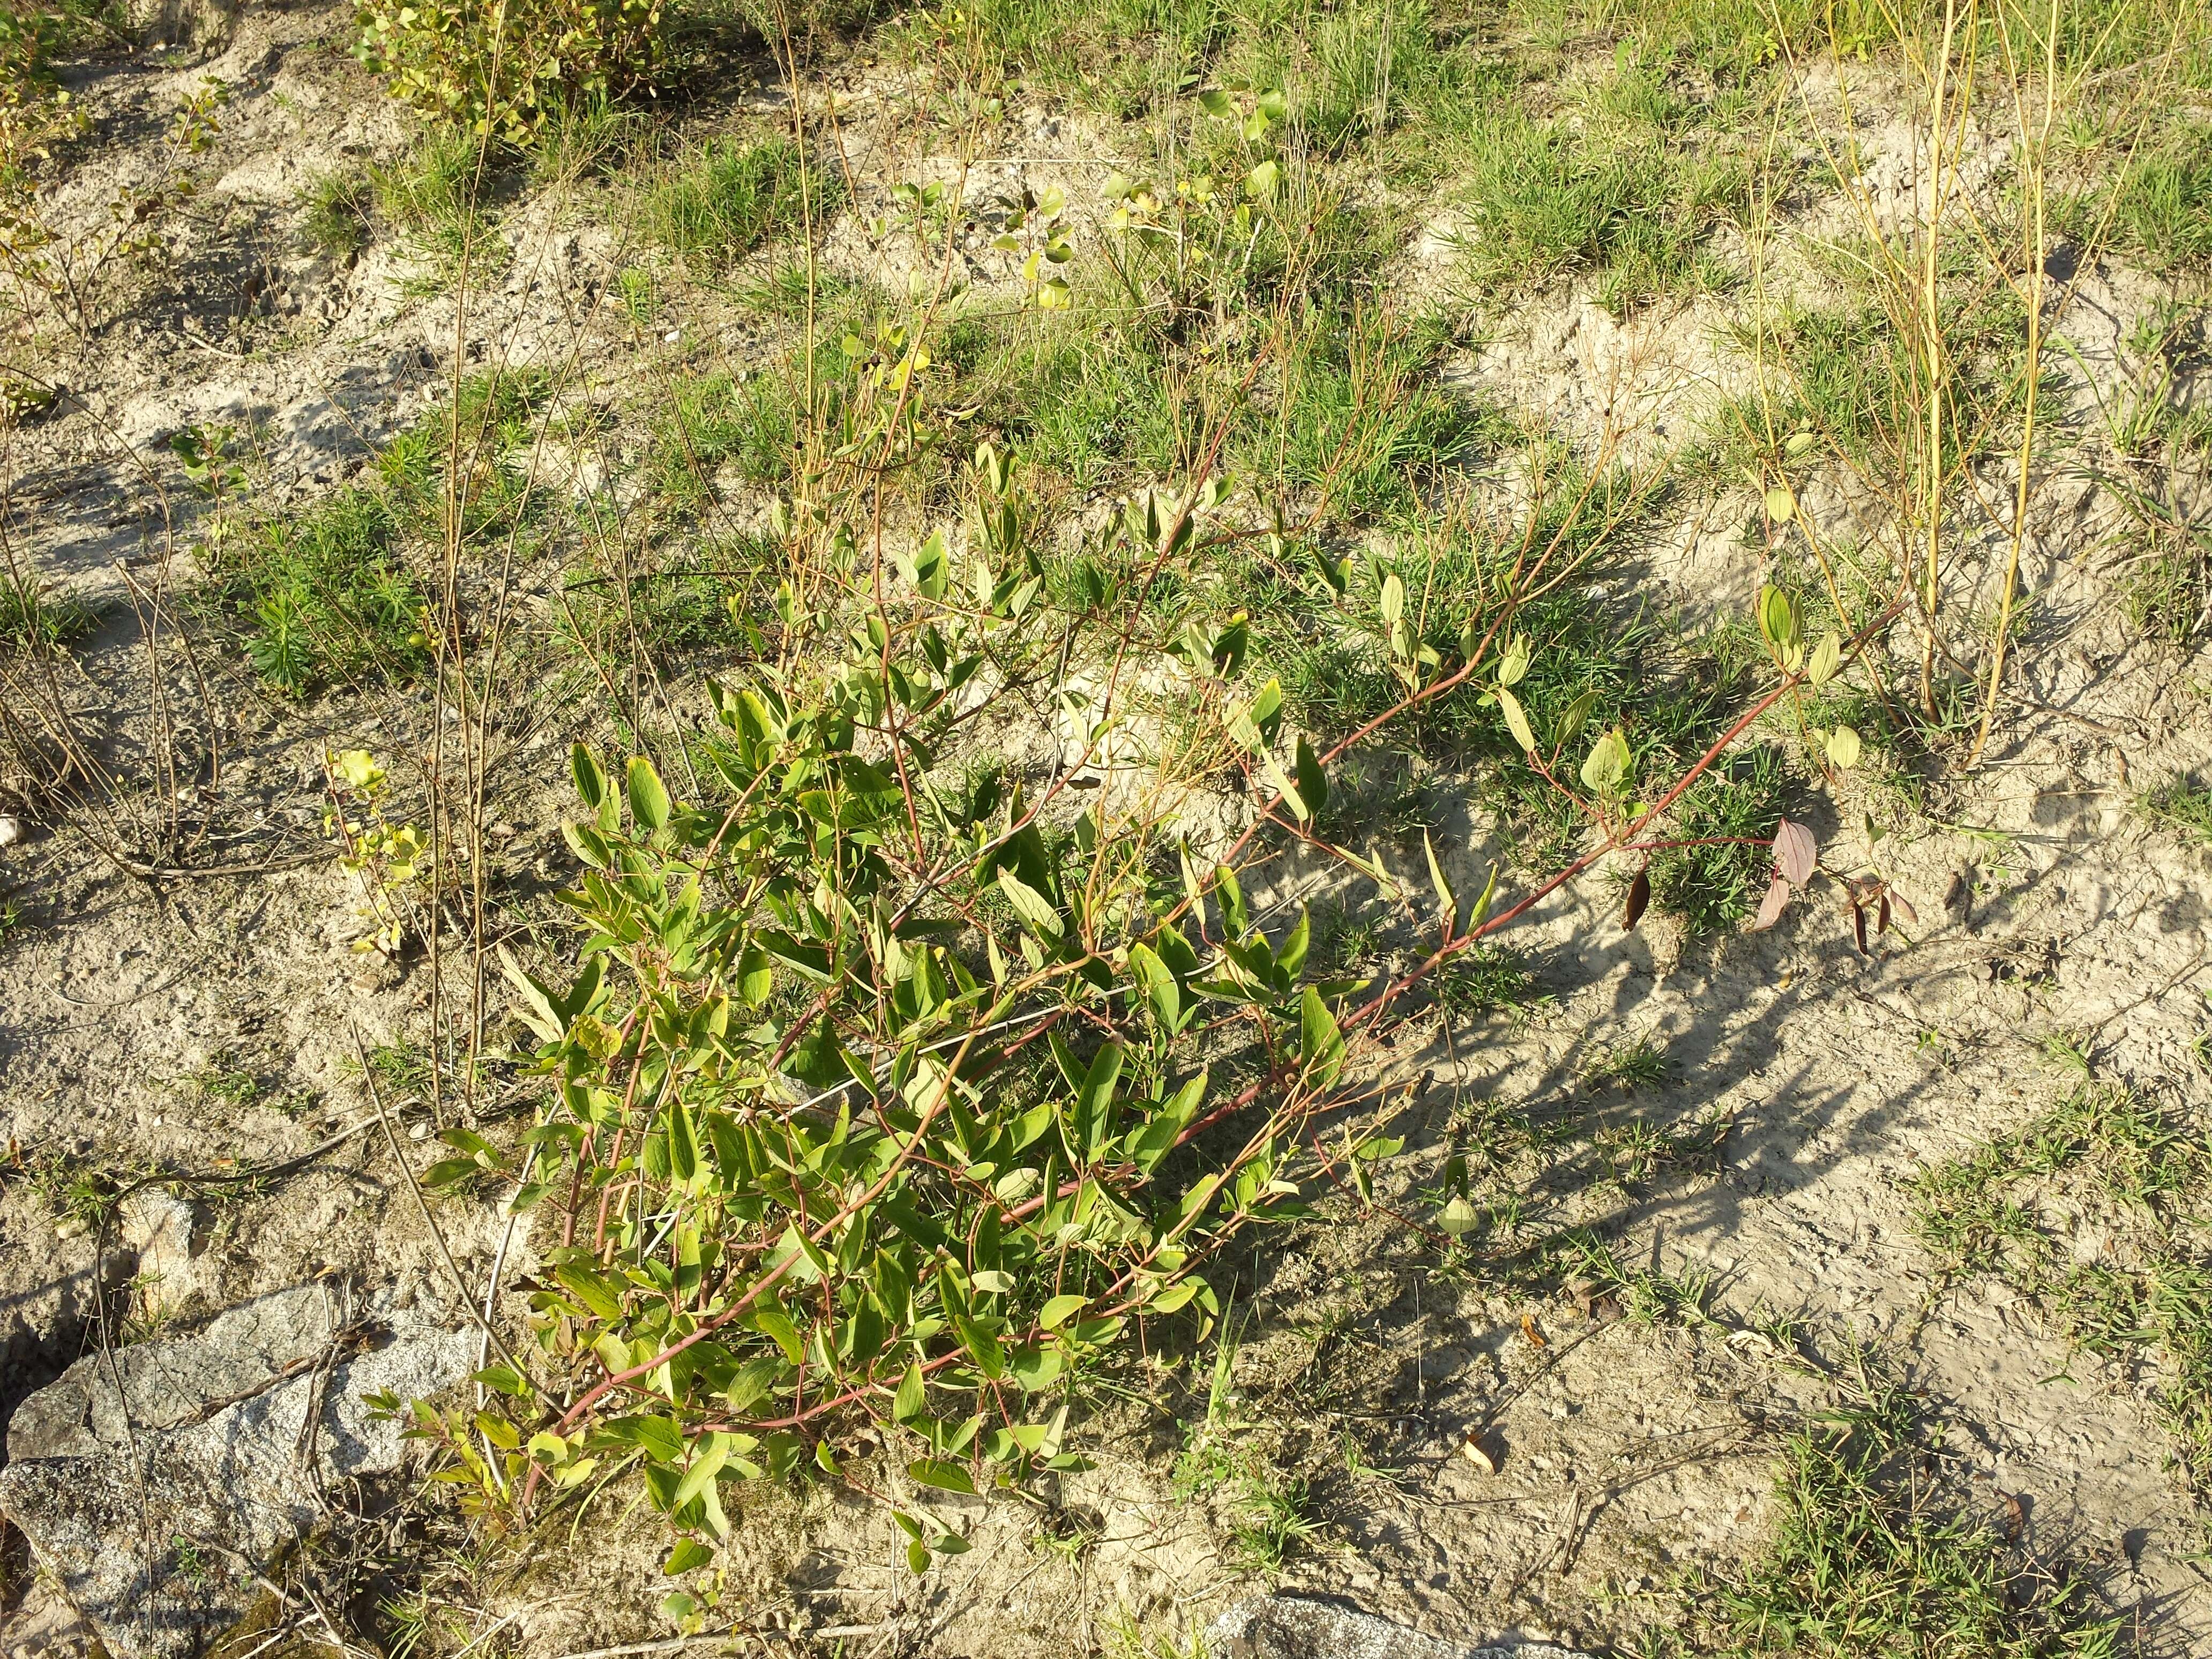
440	194
1086	409
2166	591
706	421
583	139
327	596
30	612
791	290
1363	422
1876	1553
338	205
73	1189
1726	821
1617	196
2160	207
686	609
478	448
2111	1161
1274	1518
1846	376
224	1084
721	200
1590	1268
1630	1068
2182	806
1487	979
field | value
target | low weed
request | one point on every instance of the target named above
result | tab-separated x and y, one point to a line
2106	1159
704	422
338	204
1274	1518
326	596
1491	979
692	605
2160	208
718	202
2183	806
1630	1068
1879	1552
438	195
31	613
1620	199
1719	857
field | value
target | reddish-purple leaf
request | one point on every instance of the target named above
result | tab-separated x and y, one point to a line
1904	907
1858	927
1769	912
1796	852
1639	895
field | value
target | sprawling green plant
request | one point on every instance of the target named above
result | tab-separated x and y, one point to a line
877	1098
503	68
886	1101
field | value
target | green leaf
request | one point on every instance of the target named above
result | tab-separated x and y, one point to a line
908	1404
1061	1308
1161	994
649	800
1150	1146
1094	1103
1231	893
1266	711
1516	720
1513	667
591	777
1480	913
659	1439
1778	617
931	568
945	1477
1570	723
503	1377
756	975
1444	898
1605	769
544	1014
1827	657
1313	782
591	1289
683	1143
707	1460
589	846
689	1552
1320	1043
775	1325
1254	725
1035	910
1273	771
983	1347
1459	1216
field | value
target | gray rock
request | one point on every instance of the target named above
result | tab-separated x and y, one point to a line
156	1483
163	1232
1306	1627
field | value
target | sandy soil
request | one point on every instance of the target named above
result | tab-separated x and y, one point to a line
1628	1451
